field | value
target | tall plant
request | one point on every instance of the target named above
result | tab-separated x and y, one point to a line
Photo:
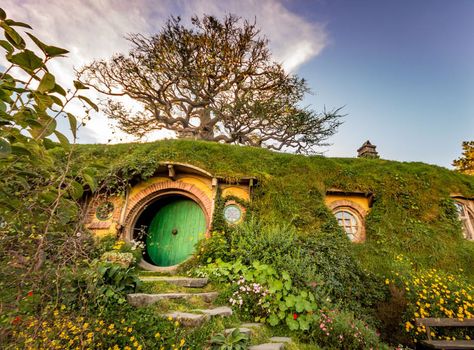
39	228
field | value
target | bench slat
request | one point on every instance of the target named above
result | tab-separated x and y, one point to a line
445	322
449	344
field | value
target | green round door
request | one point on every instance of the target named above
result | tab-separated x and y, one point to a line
173	232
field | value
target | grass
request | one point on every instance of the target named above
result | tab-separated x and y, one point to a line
412	213
157	287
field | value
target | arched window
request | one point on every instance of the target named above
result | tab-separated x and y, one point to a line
349	222
466	216
351	218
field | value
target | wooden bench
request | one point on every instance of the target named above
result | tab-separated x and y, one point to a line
445	322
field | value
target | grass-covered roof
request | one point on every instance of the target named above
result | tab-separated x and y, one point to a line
412	213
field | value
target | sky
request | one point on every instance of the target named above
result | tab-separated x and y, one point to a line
403	70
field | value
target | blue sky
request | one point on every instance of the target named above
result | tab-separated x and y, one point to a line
403	69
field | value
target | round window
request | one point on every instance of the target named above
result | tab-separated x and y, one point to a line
232	213
460	209
348	221
104	211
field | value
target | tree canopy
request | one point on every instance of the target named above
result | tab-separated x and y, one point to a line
214	81
465	163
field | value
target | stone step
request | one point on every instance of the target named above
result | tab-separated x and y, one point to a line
144	299
280	340
189	319
178	281
251	325
243	330
218	311
268	346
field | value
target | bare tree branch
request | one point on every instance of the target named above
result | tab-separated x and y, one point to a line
215	81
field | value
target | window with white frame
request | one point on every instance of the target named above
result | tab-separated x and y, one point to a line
349	222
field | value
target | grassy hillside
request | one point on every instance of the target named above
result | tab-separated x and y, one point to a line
412	213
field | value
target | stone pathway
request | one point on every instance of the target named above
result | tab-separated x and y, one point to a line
144	299
178	281
195	318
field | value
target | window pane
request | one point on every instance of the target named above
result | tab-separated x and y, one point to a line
348	222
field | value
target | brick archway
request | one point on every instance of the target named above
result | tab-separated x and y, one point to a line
138	203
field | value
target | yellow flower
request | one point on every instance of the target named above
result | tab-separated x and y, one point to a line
181	343
157	335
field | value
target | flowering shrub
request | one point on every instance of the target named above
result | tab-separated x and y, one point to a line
340	330
260	292
122	259
252	299
109	244
66	331
433	293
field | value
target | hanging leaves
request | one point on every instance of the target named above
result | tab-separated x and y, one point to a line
27	60
89	102
47	83
72	123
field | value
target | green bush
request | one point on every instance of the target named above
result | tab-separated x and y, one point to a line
321	261
347	283
259	291
212	248
109	283
277	245
233	341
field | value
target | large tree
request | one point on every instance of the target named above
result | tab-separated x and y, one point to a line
465	163
214	81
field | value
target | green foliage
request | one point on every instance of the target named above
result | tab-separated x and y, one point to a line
465	163
40	231
261	293
277	245
212	248
115	281
322	262
233	341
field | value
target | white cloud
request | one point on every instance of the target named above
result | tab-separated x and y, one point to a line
95	29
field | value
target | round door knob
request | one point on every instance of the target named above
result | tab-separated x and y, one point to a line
174	231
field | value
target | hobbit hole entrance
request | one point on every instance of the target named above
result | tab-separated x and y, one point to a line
168	212
170	227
